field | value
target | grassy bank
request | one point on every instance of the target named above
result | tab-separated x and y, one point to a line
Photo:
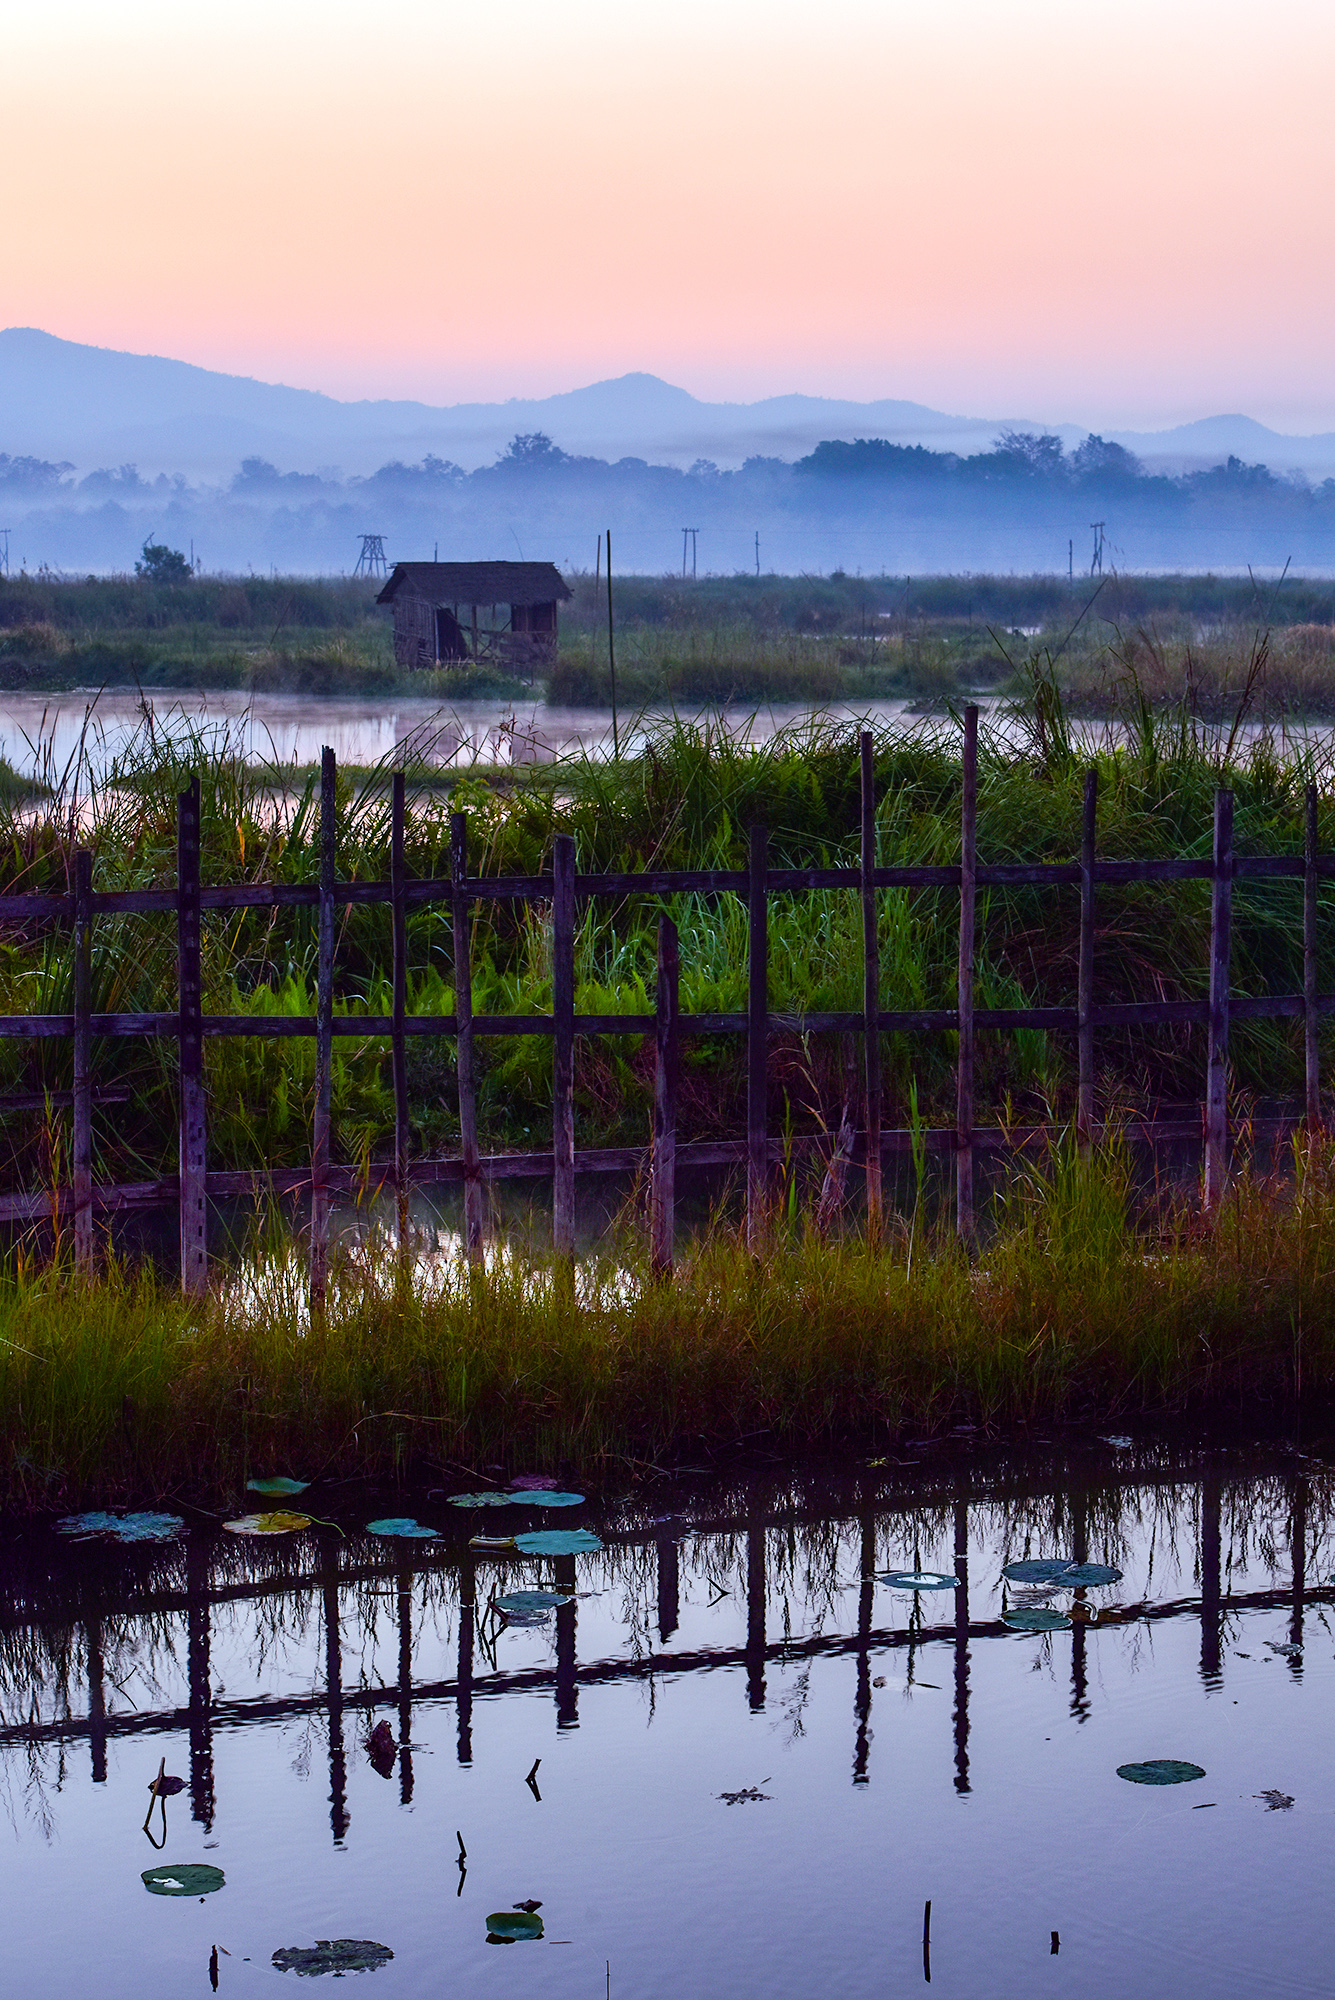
1080	1305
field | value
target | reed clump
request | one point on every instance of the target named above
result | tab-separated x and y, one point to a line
1082	1303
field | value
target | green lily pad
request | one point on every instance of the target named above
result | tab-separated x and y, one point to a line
123	1527
191	1878
267	1524
558	1542
277	1488
488	1499
533	1600
919	1579
1036	1619
405	1527
1089	1576
336	1955
537	1498
1160	1771
513	1926
1049	1571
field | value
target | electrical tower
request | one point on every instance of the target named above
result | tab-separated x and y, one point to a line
1096	561
371	561
4	552
688	533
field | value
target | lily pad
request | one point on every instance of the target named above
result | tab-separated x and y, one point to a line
534	1482
336	1955
1038	1618
532	1600
191	1878
123	1527
488	1499
1160	1771
513	1926
277	1488
1038	1572
919	1579
545	1499
1089	1576
403	1526
267	1524
166	1788
491	1543
558	1542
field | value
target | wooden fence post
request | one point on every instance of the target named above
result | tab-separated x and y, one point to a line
324	1036
82	1161
190	1043
563	1045
399	910
757	1030
871	989
1216	1075
1085	977
463	1040
663	1164
1311	1015
964	1218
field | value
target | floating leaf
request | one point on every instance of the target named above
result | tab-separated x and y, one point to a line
403	1526
267	1524
1037	1572
545	1499
532	1600
166	1788
1286	1653
534	1482
192	1878
123	1527
336	1955
557	1542
1118	1443
1089	1576
919	1579
488	1499
491	1543
278	1487
1160	1771
1036	1618
513	1926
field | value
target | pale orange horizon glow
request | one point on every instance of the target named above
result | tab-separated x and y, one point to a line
1119	219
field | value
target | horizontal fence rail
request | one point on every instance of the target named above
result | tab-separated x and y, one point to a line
564	891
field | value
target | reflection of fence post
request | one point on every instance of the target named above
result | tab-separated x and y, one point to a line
961	1717
464	1683
463	1043
757	1030
324	1038
339	1818
1080	1550
669	1587
862	1698
1311	1016
871	988
567	1695
405	1685
663	1162
755	1618
190	1042
202	1807
82	1160
1210	1561
1216	1075
97	1702
399	917
563	1046
964	1217
1085	976
1298	1558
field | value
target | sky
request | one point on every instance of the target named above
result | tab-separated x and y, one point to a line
1119	216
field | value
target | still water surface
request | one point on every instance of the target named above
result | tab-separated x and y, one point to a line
729	1638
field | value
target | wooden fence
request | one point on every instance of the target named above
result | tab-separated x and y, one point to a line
563	890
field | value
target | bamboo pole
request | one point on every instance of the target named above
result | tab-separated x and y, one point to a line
757	1030
871	988
82	1160
324	1017
1311	1015
964	1213
463	1019
663	1167
1216	1076
563	1045
399	1050
190	1044
1085	989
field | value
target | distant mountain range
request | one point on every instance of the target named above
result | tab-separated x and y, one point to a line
94	406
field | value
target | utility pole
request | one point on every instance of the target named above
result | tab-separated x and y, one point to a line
371	561
1070	560
757	552
692	532
1096	562
4	552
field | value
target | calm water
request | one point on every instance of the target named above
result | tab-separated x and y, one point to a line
727	1639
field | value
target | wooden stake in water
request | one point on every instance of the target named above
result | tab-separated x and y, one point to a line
563	1046
964	1217
82	1161
190	1043
399	913
1311	1015
611	652
663	1164
757	1031
324	1036
1216	1075
871	987
1085	975
463	1045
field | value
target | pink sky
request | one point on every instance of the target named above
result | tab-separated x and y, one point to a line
1115	216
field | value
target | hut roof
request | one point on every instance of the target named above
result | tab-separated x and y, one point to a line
477	583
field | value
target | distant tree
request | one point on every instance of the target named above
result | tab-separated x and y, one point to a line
531	448
1096	458
162	565
1039	455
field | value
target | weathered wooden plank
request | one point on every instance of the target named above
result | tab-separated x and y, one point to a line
1216	1076
871	986
563	1045
1085	973
193	1147
757	1036
663	1167
465	1073
321	1136
964	1212
1311	1011
399	1047
81	1159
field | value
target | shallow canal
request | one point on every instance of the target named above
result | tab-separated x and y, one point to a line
731	1759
